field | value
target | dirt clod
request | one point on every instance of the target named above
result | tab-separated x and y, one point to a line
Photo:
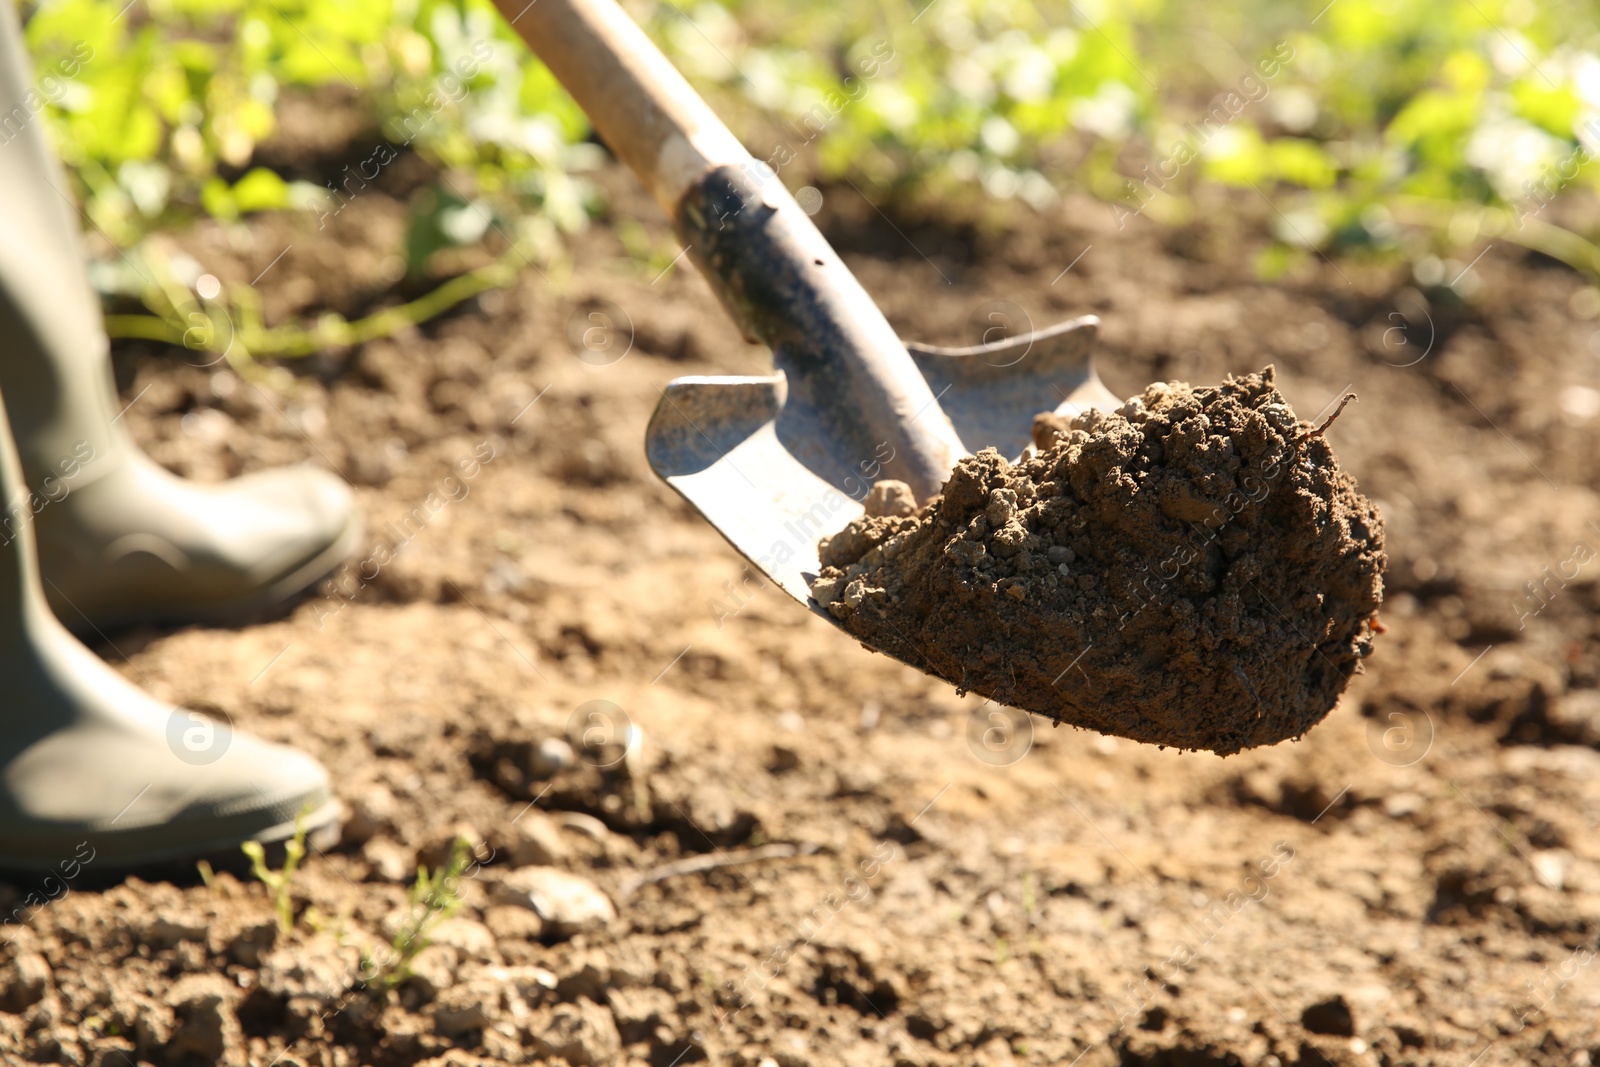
567	903
1192	570
206	1026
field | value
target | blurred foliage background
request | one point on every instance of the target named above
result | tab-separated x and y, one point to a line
1387	128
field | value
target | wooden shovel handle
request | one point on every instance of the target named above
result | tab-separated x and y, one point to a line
769	265
641	106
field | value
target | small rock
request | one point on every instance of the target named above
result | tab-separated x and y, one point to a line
433	970
532	984
440	848
1002	506
996	1052
1400	805
639	1011
632	966
465	1008
372	812
23	980
792	1049
169	928
510	922
472	939
204	1022
584	1034
319	969
534	840
387	861
857	779
890	498
252	942
1047	427
585	974
550	757
585	824
567	903
112	1052
1551	866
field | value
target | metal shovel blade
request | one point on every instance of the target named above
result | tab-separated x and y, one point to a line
773	478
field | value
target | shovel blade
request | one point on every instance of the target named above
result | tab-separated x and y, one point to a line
773	477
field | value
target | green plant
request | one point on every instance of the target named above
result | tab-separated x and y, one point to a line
229	324
158	112
167	103
433	898
279	882
1378	118
1387	128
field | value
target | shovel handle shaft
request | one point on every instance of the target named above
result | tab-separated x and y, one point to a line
771	268
640	105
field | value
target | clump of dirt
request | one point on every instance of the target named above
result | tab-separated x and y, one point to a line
1192	570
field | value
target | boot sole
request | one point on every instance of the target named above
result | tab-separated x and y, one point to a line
174	863
232	612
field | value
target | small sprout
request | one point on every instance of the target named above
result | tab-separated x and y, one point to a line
279	882
433	898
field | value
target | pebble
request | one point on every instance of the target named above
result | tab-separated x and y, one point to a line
252	941
471	938
512	923
550	757
205	1025
567	903
433	970
534	840
23	980
584	1034
464	1008
387	860
890	497
437	851
372	813
1551	866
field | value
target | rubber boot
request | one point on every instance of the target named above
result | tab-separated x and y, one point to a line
95	774
121	539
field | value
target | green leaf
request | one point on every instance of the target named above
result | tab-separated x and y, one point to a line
1555	110
217	199
1302	162
260	190
427	231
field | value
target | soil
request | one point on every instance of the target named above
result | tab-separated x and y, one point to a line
1136	548
817	855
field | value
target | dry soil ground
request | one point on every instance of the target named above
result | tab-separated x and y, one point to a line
1416	882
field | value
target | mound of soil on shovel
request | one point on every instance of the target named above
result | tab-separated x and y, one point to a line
1192	570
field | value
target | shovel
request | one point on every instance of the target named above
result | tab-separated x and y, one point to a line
776	461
